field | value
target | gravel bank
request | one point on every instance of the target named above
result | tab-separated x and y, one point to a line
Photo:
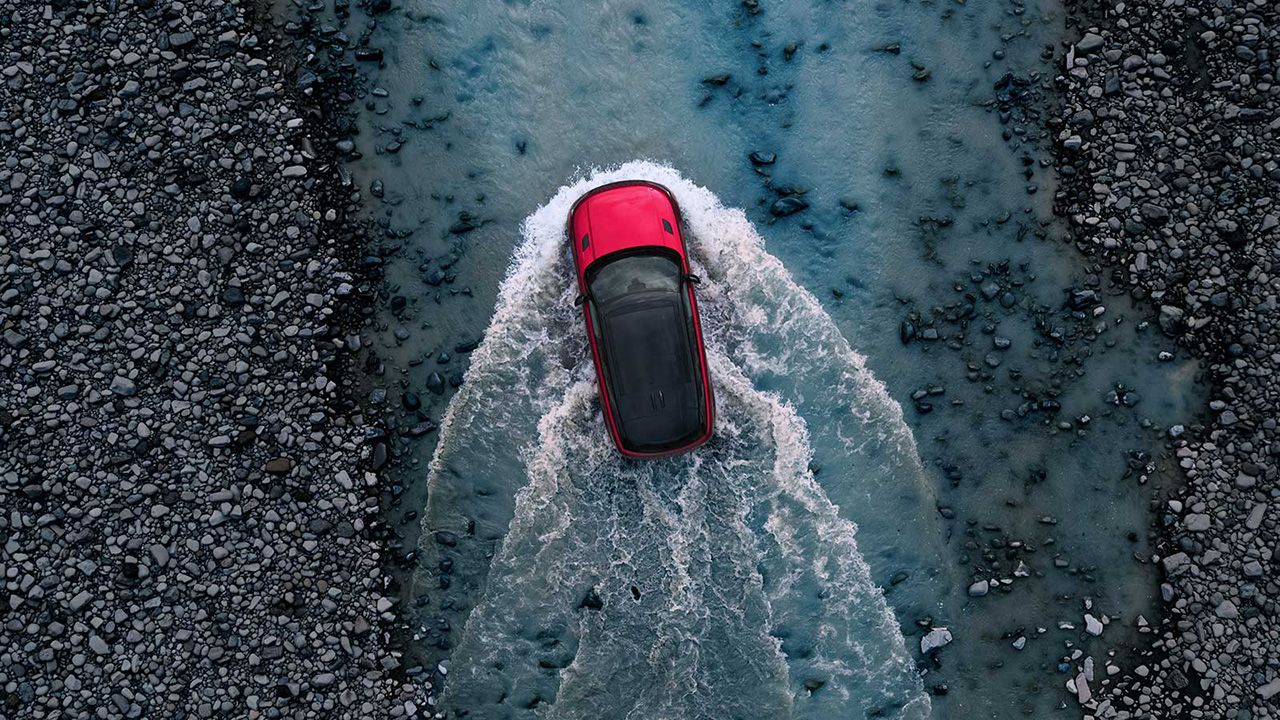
186	522
1168	153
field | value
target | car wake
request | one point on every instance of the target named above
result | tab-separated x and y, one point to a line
563	581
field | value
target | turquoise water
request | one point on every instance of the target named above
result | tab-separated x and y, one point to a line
774	559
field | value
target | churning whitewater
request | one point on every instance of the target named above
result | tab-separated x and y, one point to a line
563	581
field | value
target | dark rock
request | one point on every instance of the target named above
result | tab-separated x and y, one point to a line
278	466
435	383
465	223
906	331
1153	213
592	601
241	187
233	296
122	255
789	205
380	456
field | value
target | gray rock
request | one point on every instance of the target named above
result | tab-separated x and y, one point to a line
1254	520
1227	610
98	645
123	386
80	600
935	639
1175	562
1196	522
1092	625
1089	43
1083	694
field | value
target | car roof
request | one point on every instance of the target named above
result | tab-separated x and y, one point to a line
623	216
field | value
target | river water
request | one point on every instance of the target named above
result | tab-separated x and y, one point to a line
728	581
789	568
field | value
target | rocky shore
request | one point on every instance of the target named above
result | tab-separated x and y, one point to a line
189	520
1167	151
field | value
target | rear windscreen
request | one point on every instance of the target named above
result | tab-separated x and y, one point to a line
633	274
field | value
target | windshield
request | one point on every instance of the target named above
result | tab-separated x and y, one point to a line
634	274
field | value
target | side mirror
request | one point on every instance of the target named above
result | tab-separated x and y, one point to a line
580	300
691	278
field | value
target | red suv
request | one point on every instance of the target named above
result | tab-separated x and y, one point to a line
637	296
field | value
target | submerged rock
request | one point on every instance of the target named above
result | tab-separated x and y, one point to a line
592	600
788	205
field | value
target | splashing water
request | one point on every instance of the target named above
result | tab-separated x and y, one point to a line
566	582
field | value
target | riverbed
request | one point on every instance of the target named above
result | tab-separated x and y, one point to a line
1028	396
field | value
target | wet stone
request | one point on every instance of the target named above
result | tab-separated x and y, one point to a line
381	454
936	639
435	383
789	205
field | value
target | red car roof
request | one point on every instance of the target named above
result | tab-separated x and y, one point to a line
620	217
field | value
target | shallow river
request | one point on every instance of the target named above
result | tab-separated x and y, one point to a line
786	569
